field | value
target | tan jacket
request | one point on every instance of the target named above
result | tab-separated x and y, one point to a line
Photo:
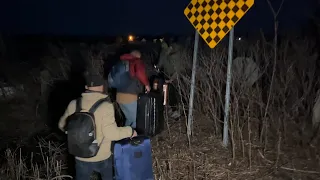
107	128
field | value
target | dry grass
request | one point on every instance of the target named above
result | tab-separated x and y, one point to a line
46	163
270	130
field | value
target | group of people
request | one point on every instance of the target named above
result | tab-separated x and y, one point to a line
107	130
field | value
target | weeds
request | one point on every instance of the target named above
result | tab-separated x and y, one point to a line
270	122
51	166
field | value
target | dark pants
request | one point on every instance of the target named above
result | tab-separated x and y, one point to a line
85	169
173	97
130	112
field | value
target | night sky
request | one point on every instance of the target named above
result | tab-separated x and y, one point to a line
150	17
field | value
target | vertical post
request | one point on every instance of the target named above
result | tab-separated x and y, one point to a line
227	100
193	82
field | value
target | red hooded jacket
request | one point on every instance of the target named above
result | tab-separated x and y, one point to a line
137	68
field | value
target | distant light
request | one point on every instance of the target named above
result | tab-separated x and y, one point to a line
130	38
239	38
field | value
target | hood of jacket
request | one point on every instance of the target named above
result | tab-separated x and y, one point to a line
128	57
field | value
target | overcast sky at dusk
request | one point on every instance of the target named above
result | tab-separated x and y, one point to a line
106	17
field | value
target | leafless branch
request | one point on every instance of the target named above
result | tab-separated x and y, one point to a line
275	13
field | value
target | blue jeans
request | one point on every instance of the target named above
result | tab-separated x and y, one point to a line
85	169
130	112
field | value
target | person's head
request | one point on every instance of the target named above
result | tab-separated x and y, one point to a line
136	53
95	82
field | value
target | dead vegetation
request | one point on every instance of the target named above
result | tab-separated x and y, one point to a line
271	133
47	164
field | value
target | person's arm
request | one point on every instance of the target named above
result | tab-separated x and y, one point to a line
109	127
68	112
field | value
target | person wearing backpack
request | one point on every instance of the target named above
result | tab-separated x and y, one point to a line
90	126
127	77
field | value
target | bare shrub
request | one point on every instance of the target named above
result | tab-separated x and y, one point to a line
269	127
56	66
22	106
46	163
95	62
285	121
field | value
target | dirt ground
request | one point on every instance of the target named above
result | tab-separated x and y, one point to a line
207	159
203	159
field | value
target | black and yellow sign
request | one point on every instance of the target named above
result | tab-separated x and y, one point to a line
213	19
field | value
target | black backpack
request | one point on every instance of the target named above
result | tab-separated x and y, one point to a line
81	131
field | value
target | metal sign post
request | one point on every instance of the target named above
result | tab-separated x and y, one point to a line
227	103
193	83
213	20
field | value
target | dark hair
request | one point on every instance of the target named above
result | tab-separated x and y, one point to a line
93	79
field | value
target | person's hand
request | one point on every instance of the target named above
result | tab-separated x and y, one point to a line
134	134
148	88
156	69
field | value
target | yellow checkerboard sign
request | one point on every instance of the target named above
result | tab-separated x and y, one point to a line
213	19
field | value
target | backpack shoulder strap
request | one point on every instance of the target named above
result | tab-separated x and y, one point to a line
78	104
97	104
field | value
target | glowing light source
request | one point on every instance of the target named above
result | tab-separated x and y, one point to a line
130	38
